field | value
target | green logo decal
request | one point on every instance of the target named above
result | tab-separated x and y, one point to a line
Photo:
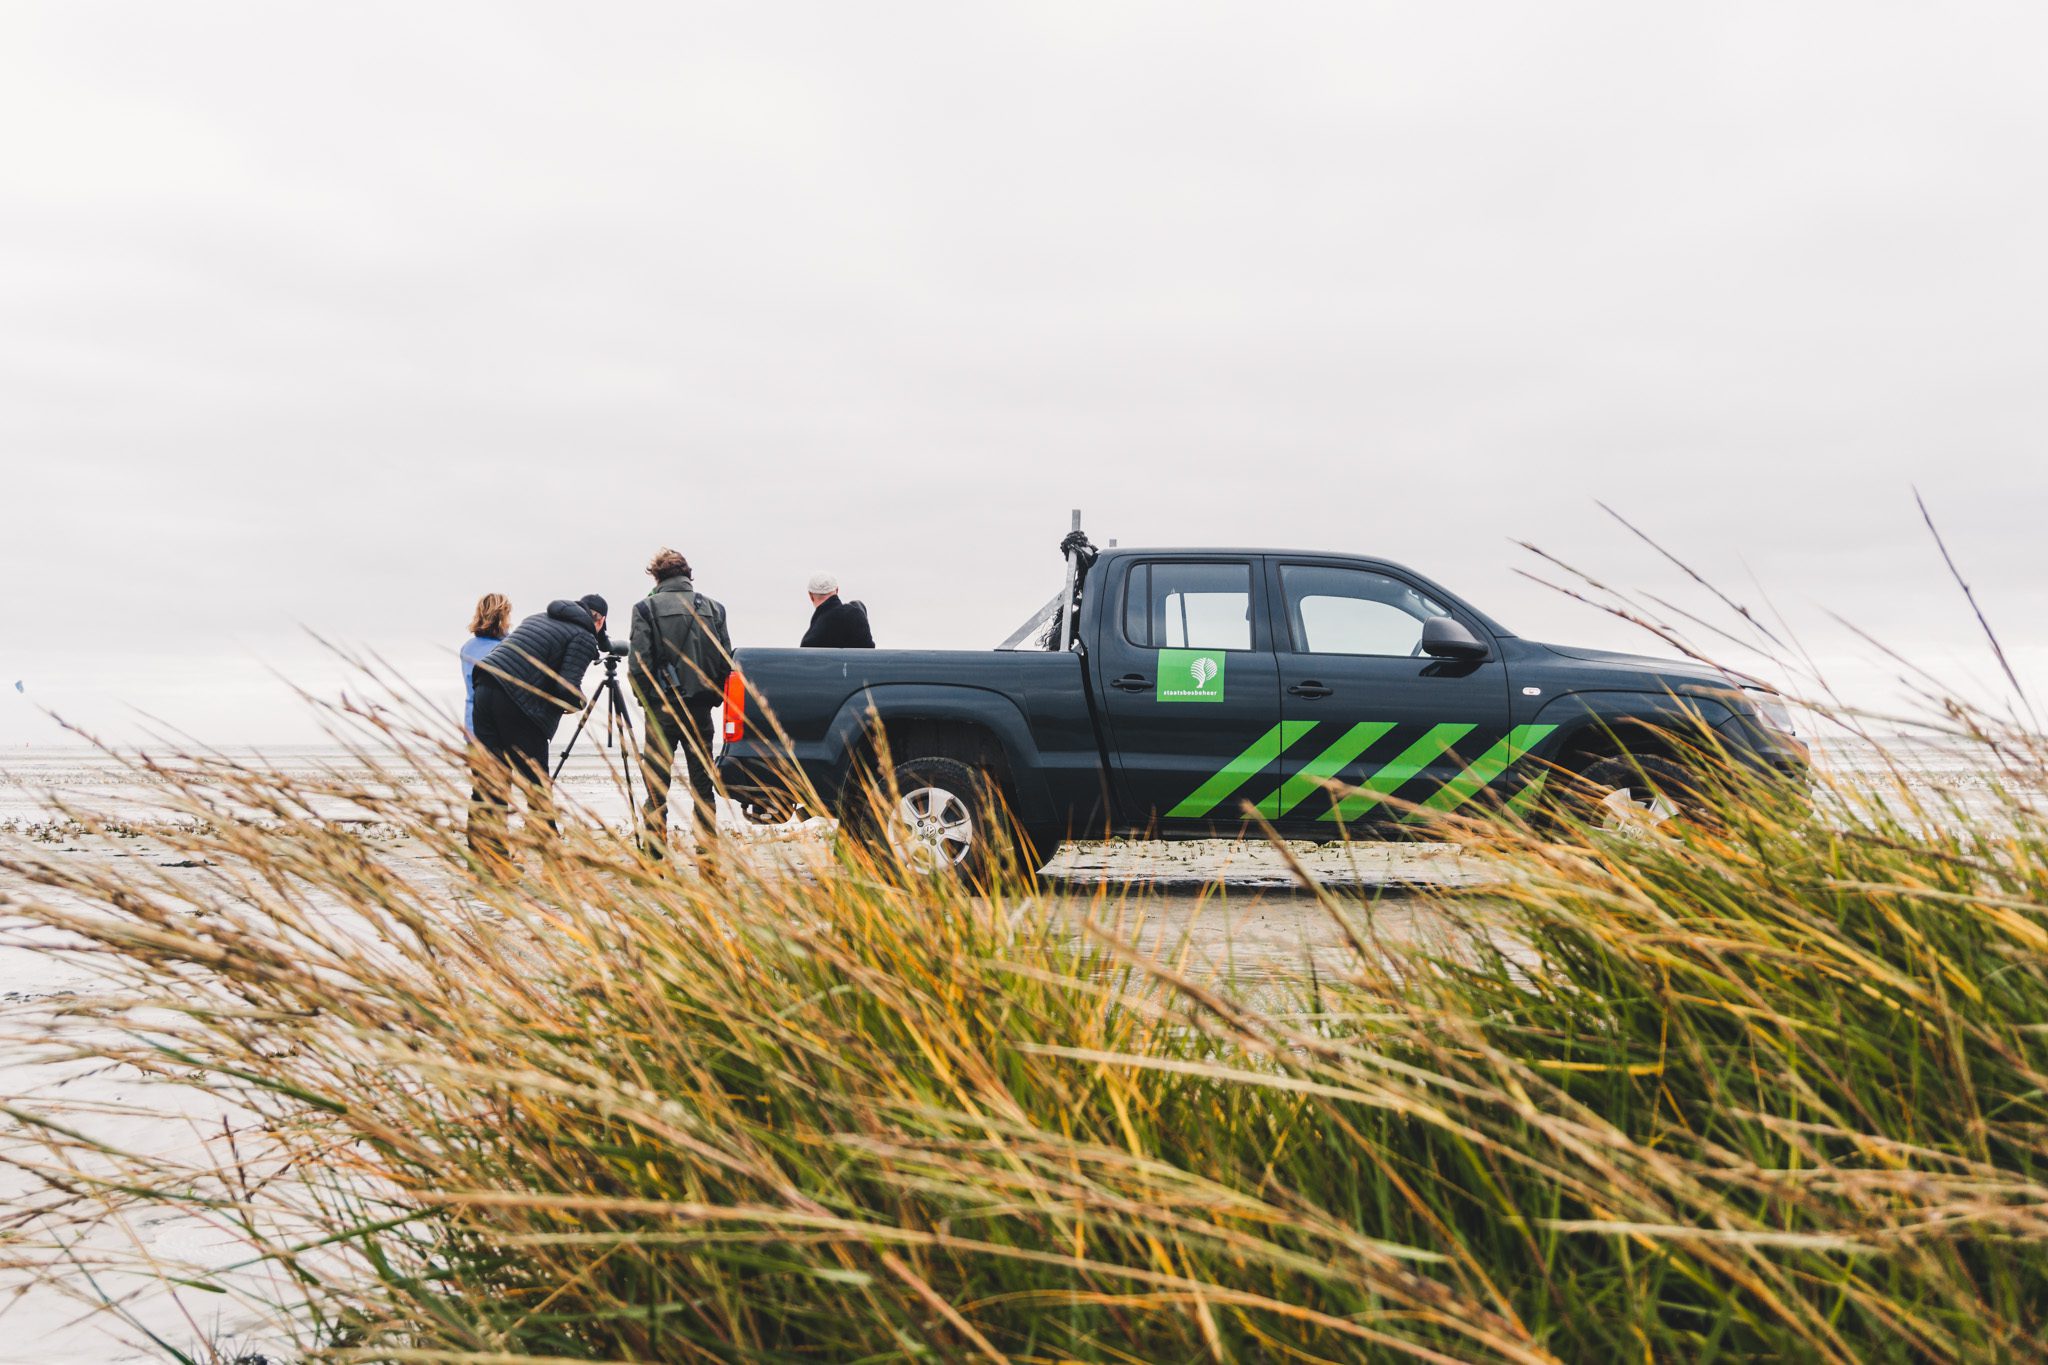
1191	674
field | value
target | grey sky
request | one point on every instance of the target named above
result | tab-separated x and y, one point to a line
337	316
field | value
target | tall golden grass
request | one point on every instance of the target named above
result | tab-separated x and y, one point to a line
1771	1085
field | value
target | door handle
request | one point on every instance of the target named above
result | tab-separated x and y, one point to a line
1310	689
1132	682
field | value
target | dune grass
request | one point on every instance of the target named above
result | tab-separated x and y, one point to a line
1771	1086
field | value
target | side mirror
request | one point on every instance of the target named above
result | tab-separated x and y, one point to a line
1445	637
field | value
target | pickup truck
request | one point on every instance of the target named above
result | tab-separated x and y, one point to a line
1331	694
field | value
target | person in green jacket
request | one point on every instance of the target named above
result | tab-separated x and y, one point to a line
681	656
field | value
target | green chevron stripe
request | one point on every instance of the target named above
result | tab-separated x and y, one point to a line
1326	764
1522	800
1405	765
1484	769
1241	769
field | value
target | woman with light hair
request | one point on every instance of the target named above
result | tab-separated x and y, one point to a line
487	626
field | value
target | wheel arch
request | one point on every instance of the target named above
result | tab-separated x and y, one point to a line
1592	726
977	726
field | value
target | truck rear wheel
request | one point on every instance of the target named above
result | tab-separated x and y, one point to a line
947	817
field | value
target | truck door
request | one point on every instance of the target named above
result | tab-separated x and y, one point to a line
1375	713
1190	690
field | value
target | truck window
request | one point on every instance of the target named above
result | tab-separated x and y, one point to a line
1354	611
1174	604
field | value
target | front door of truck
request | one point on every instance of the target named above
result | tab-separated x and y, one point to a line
1184	664
1375	713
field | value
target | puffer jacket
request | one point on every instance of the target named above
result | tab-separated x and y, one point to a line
681	626
541	663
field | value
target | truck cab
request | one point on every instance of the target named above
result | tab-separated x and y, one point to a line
1261	678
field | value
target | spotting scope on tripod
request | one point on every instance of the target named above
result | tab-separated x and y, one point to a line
617	719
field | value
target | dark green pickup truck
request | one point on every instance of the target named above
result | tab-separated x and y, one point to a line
1329	693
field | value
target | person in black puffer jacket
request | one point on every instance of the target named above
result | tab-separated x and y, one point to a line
523	689
835	624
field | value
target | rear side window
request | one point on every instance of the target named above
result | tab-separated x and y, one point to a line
1176	604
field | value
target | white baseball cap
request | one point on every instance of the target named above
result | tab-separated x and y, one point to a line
824	584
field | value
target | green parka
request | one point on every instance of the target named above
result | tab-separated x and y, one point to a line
677	625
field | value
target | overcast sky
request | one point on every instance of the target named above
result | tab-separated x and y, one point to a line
333	317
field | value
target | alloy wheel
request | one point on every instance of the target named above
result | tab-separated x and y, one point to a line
932	829
1635	812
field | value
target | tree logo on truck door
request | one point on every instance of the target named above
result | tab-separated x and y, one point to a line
1191	675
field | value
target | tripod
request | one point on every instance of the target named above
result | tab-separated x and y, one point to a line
617	719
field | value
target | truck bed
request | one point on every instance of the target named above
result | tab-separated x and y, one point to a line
1033	704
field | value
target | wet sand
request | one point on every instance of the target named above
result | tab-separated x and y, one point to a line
1233	901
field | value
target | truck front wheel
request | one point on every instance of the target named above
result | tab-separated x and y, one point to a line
945	816
1638	796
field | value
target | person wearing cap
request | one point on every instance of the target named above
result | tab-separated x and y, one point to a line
523	689
836	624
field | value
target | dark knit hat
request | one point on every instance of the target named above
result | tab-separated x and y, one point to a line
594	604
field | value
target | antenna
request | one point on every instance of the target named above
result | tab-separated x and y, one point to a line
1067	600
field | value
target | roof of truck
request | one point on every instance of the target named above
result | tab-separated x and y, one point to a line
1456	599
1281	551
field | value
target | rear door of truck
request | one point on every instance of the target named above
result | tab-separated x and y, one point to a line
1189	688
1364	706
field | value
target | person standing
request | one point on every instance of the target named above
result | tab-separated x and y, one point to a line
681	656
487	626
523	689
835	624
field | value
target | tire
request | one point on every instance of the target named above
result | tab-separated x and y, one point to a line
946	816
1637	796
